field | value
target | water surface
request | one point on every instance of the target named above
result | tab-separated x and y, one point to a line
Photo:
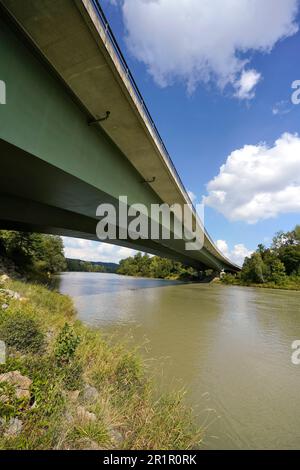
229	346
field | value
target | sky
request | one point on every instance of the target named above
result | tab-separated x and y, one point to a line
217	78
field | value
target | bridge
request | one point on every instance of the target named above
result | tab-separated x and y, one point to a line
75	131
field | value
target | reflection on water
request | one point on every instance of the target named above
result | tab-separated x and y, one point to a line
229	346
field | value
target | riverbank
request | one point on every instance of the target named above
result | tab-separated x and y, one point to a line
63	385
289	284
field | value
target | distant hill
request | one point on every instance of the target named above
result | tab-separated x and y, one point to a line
77	265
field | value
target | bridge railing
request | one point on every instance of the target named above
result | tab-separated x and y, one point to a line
110	36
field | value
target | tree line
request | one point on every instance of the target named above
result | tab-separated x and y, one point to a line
278	265
32	252
145	266
77	265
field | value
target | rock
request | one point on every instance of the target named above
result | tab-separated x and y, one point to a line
14	427
73	396
11	294
85	415
88	444
4	306
4	278
90	394
20	382
116	437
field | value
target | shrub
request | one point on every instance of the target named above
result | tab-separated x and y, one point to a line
22	332
10	405
66	344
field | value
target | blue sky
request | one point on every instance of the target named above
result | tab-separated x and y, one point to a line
216	77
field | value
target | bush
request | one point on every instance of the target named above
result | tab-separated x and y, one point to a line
22	332
10	405
66	344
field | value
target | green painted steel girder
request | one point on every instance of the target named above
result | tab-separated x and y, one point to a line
55	168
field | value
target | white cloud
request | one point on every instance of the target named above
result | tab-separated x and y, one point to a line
258	182
194	41
237	255
246	84
88	250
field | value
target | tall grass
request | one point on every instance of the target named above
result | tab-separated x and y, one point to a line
128	413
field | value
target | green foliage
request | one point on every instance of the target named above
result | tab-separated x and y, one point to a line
162	268
47	387
51	254
21	332
66	344
33	251
229	279
128	401
72	375
275	266
128	372
19	247
253	269
77	265
10	405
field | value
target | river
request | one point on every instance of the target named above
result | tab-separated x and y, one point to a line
230	347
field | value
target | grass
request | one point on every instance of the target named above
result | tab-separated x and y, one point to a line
63	355
290	283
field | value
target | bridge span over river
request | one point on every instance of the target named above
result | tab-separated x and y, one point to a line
75	131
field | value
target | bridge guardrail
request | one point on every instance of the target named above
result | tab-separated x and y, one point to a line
110	35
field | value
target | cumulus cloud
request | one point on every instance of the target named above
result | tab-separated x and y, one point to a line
88	250
258	182
194	41
237	255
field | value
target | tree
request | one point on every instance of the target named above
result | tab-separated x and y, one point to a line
274	269
162	268
290	256
253	269
287	245
33	251
50	257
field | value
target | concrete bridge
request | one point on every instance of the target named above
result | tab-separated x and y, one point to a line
75	132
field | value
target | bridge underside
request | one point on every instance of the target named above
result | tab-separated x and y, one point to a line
55	168
36	196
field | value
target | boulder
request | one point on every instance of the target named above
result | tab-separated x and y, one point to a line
20	382
10	293
90	394
85	416
14	427
116	437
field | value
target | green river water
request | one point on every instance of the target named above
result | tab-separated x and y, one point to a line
230	347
